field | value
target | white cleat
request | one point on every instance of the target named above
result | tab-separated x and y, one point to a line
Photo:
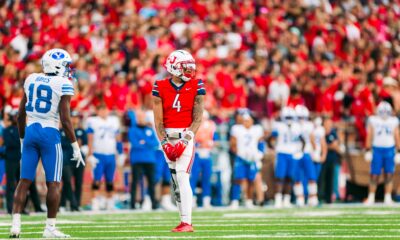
249	204
278	200
369	202
207	203
110	204
300	202
286	201
146	206
388	201
95	204
313	201
15	231
234	205
54	233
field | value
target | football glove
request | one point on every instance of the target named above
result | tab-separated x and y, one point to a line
168	149
397	157
368	156
77	155
93	161
316	156
180	147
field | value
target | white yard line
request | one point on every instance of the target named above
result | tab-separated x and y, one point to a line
220	222
226	225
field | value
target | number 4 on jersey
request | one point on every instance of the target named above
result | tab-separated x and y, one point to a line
177	103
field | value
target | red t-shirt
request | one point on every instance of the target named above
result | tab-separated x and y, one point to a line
178	102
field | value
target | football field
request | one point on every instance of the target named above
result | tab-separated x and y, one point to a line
330	222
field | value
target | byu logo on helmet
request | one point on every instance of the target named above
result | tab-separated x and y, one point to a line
57	55
57	61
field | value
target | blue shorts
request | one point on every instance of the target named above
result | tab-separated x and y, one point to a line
284	166
42	143
105	166
317	167
304	165
382	158
2	169
162	170
244	169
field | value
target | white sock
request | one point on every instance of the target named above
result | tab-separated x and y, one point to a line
388	196
186	196
51	223
371	197
299	192
16	219
286	199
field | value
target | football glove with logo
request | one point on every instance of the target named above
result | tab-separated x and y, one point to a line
168	149
181	145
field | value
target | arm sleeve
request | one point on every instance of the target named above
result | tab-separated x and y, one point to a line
200	88
67	88
155	90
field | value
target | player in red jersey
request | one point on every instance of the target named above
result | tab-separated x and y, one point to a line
178	110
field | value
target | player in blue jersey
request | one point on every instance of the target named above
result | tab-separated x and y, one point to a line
287	133
104	142
46	100
305	166
383	136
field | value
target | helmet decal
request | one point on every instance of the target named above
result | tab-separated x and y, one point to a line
58	55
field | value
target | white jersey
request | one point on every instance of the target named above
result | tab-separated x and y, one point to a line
307	129
247	140
383	131
319	134
105	133
43	94
288	138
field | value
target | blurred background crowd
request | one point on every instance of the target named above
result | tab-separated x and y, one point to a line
337	57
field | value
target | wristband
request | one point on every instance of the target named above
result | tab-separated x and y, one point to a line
190	133
164	141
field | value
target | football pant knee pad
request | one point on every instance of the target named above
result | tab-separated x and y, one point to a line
109	187
96	185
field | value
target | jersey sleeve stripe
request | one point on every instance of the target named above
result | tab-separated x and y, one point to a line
155	93
201	91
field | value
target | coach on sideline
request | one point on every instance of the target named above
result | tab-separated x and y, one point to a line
143	142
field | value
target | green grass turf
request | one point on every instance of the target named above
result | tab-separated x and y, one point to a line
330	222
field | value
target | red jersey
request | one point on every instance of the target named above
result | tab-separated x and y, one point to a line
178	102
